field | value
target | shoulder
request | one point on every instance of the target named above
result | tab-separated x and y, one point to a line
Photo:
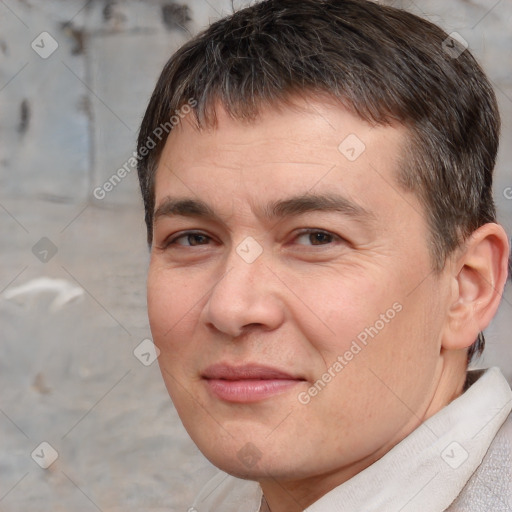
490	486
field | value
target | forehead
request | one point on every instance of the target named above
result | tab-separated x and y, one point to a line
312	146
314	121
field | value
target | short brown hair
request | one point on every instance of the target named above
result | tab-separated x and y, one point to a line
382	63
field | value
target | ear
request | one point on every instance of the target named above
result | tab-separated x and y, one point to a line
479	274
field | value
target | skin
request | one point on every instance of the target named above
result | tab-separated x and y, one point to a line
303	301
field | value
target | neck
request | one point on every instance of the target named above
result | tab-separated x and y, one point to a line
295	496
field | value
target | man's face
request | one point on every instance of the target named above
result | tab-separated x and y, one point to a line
292	353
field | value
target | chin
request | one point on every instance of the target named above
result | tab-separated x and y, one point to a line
249	463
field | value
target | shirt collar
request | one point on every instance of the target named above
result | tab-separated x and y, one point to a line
428	469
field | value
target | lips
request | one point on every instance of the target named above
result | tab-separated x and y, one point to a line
247	383
227	372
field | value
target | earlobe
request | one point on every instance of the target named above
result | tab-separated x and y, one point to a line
479	276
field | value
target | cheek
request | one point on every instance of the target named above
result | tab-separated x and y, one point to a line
343	309
172	317
171	299
371	324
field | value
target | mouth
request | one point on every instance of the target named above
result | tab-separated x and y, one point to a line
247	383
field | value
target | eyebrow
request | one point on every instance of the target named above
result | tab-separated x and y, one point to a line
275	210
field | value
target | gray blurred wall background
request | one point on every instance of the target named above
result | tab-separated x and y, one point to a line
75	77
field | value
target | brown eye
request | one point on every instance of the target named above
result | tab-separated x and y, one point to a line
191	239
316	237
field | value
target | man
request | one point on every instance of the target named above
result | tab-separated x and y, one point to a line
324	257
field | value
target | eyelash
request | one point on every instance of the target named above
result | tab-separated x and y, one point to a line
308	231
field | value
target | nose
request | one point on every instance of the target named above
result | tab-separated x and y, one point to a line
246	295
